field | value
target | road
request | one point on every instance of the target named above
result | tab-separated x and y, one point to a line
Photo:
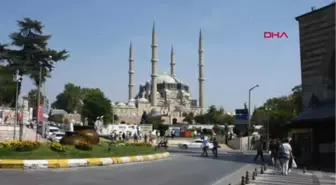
184	167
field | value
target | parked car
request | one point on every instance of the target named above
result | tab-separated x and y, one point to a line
197	143
57	136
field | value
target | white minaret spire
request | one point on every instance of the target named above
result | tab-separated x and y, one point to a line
154	67
172	61
130	73
201	75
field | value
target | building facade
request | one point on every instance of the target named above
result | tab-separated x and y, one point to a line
317	46
165	95
313	131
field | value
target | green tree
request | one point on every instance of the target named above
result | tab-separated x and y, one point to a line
7	87
28	51
70	99
95	105
296	97
188	117
201	119
32	99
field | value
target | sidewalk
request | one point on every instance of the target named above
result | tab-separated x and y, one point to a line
296	177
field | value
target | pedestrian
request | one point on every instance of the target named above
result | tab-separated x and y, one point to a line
145	138
195	134
215	147
285	155
205	146
274	151
259	151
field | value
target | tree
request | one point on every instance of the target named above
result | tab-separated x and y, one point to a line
296	97
32	99
202	119
71	99
95	105
280	110
7	87
28	51
188	117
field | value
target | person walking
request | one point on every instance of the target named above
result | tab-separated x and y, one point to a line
274	152
215	147
285	155
259	152
205	146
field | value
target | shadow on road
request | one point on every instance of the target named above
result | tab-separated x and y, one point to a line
247	158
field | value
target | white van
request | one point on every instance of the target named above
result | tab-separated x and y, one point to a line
51	130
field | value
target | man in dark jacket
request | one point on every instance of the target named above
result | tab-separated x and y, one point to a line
215	147
274	147
259	151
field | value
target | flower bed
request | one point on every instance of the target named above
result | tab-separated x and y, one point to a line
20	146
8	150
55	146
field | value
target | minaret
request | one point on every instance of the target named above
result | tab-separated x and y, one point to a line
201	75
154	67
172	61
130	73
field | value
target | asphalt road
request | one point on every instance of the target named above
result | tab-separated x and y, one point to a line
184	167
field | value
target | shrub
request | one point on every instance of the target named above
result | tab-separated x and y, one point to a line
141	144
24	146
83	146
57	147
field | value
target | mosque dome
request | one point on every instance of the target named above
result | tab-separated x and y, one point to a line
143	100
131	104
155	111
121	104
168	79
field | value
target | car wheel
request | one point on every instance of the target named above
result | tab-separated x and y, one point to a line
185	146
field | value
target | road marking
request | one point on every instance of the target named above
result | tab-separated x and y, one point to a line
234	173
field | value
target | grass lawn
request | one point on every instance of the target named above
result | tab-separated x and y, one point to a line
99	150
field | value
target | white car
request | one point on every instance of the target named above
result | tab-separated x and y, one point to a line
197	143
57	136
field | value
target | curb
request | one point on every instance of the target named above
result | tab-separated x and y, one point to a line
69	163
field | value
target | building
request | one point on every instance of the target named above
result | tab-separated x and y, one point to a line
313	131
164	96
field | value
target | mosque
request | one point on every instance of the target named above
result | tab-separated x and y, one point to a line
165	96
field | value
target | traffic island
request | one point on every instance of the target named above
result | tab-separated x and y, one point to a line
32	155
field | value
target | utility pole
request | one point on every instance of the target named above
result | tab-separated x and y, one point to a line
18	79
249	116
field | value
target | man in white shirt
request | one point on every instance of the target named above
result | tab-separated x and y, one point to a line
285	154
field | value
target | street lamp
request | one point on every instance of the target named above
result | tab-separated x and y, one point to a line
38	102
17	79
267	109
249	116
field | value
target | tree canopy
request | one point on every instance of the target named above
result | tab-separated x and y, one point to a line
71	99
215	115
278	111
7	87
95	104
28	51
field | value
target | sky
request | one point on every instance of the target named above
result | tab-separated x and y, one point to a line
97	34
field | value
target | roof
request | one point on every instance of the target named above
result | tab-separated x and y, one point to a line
324	111
317	10
58	112
168	79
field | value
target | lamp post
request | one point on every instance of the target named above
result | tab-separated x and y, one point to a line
267	109
39	102
18	79
249	116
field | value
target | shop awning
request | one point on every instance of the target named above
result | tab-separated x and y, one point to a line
324	111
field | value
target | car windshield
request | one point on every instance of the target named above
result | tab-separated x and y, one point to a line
53	130
59	135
